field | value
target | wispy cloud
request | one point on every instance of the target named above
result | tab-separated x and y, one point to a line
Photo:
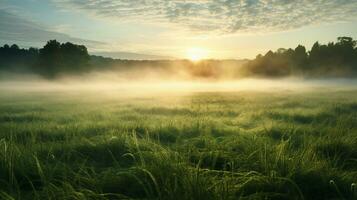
223	16
15	29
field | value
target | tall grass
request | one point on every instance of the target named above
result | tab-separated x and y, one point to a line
241	145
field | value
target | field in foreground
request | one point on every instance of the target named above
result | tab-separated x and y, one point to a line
223	145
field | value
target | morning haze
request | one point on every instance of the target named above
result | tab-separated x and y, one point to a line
169	99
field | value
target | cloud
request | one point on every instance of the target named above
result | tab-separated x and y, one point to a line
223	16
15	29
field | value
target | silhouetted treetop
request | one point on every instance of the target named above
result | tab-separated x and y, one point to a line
15	59
56	58
333	59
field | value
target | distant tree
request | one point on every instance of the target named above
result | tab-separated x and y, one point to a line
315	56
347	42
300	53
49	60
15	59
333	59
15	47
270	65
299	58
75	57
345	46
56	58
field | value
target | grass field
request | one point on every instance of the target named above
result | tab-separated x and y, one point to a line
202	145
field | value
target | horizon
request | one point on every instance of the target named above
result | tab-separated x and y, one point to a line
193	56
192	30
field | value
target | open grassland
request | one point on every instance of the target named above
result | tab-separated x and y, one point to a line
203	145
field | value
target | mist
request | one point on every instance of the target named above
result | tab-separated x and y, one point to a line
148	81
69	67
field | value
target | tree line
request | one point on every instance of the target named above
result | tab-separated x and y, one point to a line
335	59
51	60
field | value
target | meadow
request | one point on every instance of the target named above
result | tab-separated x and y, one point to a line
276	144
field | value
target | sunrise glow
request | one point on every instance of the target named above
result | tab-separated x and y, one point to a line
196	54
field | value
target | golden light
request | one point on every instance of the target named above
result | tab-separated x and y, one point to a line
196	54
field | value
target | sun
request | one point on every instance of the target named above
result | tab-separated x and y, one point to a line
196	54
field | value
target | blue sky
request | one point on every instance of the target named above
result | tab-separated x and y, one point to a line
220	28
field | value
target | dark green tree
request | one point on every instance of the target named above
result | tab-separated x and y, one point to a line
333	59
56	58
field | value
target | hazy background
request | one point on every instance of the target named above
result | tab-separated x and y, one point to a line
161	29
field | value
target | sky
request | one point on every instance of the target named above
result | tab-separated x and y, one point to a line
157	29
